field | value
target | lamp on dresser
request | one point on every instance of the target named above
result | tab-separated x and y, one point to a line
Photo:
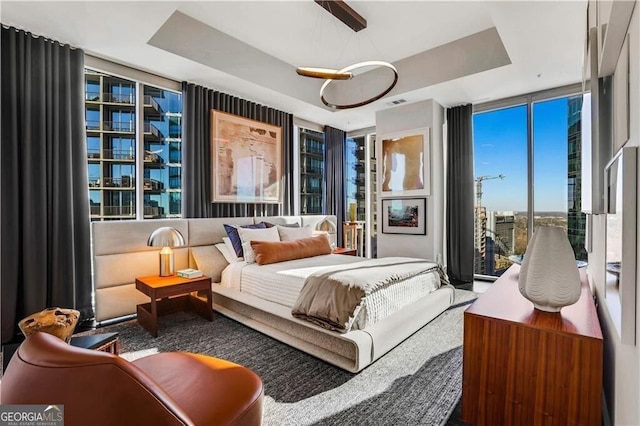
166	237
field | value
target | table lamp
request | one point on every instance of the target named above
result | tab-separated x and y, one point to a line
166	237
327	227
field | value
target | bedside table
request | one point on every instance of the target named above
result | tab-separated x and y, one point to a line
176	296
105	342
345	251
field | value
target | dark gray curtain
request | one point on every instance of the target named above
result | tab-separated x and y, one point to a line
460	197
334	142
198	102
45	257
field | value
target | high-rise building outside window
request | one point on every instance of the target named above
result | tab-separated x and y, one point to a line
527	167
360	186
311	171
117	140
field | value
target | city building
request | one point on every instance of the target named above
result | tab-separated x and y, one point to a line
311	171
576	219
116	140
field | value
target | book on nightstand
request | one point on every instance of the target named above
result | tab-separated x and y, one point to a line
189	273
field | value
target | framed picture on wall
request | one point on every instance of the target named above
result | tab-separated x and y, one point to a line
406	163
246	164
404	216
620	250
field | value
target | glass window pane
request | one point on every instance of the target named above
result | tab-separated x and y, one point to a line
162	153
110	115
557	168
311	171
500	156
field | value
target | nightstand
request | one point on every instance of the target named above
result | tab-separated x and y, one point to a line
346	251
105	342
175	294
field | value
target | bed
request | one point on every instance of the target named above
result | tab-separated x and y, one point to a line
261	296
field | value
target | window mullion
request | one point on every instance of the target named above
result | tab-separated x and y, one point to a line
530	181
139	151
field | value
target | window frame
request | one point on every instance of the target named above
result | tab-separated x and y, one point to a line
528	100
140	79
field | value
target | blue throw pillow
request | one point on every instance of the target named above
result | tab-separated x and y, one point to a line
286	225
232	232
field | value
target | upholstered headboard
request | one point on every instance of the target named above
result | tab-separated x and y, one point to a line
120	254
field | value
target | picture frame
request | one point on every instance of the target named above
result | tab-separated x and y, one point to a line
621	110
405	168
246	160
620	242
404	216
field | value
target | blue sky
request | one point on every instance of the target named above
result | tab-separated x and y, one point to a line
500	147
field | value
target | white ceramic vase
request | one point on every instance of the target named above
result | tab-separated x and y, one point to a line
549	275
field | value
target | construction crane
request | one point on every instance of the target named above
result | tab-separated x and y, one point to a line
479	180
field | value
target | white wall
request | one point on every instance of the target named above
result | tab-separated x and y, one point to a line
399	119
621	362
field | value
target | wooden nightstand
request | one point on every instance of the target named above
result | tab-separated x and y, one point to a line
176	296
105	342
346	251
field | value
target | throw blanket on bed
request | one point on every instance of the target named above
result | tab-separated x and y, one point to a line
332	297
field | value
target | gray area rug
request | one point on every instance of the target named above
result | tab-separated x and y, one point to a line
418	383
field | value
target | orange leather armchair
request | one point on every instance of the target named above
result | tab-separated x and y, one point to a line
99	388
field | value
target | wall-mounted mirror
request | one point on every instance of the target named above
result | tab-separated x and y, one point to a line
620	267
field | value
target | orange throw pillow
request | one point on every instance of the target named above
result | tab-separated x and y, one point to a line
273	252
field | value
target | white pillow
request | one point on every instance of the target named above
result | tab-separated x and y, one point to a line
232	251
247	235
292	234
224	250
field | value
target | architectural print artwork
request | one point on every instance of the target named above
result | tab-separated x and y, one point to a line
247	160
404	216
405	163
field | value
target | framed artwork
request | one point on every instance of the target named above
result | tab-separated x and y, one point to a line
246	160
620	252
404	216
406	162
621	118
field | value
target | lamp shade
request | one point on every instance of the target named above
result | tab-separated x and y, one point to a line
549	275
325	225
328	228
165	237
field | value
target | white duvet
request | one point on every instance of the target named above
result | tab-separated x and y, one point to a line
281	283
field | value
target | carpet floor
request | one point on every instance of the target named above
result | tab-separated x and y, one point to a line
417	383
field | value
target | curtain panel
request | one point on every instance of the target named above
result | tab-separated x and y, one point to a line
460	197
198	101
335	140
45	237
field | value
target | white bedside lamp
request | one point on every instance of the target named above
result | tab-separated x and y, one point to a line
328	228
166	237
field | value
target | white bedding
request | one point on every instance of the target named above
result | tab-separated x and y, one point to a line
281	282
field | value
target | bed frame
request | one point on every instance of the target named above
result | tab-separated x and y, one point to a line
120	254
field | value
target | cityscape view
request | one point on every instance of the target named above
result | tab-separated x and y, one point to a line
502	175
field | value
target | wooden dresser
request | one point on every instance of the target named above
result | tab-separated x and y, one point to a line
523	366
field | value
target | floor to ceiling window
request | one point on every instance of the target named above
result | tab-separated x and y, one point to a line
360	187
527	174
117	140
